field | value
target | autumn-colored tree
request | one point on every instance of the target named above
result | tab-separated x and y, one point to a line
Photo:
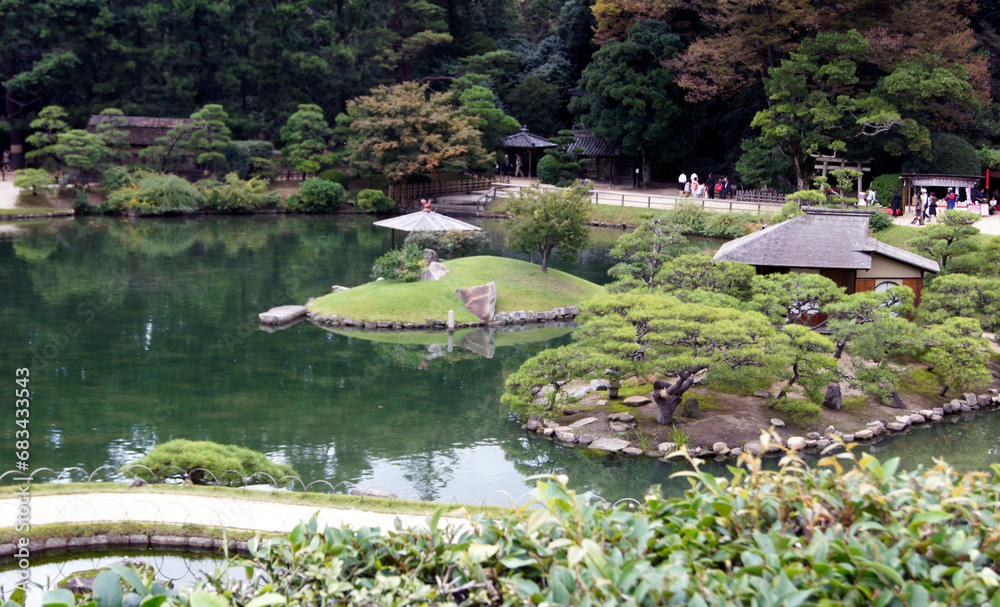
405	129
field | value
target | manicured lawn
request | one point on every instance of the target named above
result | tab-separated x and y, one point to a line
900	236
520	286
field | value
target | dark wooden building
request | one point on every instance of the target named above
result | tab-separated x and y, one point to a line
834	243
606	164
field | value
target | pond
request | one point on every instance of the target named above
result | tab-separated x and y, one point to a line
176	569
141	331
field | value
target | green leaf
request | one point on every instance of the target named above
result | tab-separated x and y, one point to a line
205	599
108	589
153	600
268	599
481	552
932	517
885	570
130	576
58	598
516	562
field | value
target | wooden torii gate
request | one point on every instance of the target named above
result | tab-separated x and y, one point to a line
828	163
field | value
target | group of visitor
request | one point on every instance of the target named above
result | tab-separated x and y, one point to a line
710	189
926	204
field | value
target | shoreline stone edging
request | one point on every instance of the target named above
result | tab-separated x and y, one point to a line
54	213
518	317
101	541
876	430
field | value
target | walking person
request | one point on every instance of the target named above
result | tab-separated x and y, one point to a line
517	166
896	203
710	186
681	184
932	208
951	198
918	207
6	160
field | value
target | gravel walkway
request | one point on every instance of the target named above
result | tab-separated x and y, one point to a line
196	510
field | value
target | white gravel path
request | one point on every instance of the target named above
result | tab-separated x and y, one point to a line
8	195
197	510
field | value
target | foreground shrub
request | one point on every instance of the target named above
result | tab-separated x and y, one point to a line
317	195
235	194
450	244
374	201
230	464
853	534
154	194
405	263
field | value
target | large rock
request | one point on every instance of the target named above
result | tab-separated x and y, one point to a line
833	399
691	408
636	401
281	315
435	270
480	301
796	443
431	255
613	445
583	422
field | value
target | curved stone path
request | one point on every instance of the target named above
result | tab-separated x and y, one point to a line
197	510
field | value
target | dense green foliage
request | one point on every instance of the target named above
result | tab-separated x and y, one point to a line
205	462
317	195
36	180
235	194
851	531
450	244
374	201
405	264
154	194
249	158
546	220
676	86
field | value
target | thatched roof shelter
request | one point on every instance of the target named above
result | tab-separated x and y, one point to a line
142	130
834	243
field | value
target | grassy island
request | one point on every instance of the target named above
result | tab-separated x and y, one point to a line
520	286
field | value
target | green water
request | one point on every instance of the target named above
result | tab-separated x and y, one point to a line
141	331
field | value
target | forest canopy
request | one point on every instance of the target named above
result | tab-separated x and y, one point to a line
744	89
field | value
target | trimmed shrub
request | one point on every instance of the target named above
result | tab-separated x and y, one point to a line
231	465
879	221
549	169
788	210
450	244
374	201
335	175
37	180
405	263
317	195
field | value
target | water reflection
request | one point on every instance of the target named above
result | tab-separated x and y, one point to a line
141	331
